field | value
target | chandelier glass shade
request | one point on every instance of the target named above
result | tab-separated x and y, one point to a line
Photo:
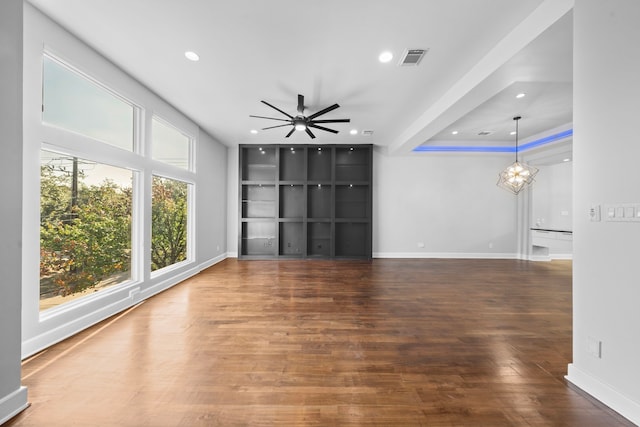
519	175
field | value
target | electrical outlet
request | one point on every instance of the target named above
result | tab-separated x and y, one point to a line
594	347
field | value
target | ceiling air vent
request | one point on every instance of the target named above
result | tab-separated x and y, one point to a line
485	132
367	132
412	57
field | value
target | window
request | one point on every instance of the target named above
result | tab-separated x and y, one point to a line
73	102
87	187
168	222
85	227
170	145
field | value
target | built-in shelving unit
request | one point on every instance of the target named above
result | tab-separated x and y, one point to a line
305	201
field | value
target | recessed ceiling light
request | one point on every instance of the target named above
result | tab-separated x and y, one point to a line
253	131
521	95
455	132
353	131
385	57
566	160
512	133
191	56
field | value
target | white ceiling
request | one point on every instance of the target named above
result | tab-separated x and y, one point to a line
480	54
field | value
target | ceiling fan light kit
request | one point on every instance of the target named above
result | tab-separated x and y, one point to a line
301	122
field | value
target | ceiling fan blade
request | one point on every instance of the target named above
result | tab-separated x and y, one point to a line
309	133
290	132
278	126
277	109
270	118
332	121
301	104
321	128
321	112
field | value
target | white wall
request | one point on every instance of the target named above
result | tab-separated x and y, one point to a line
211	201
606	279
552	197
552	209
448	202
13	397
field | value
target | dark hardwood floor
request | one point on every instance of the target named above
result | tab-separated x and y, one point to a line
331	343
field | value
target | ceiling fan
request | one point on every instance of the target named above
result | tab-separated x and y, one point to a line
302	122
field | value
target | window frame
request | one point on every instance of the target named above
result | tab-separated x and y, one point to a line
190	227
139	159
190	141
43	35
136	119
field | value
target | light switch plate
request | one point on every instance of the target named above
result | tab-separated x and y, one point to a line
622	212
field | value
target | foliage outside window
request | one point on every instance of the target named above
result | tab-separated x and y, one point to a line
85	227
75	103
168	222
86	234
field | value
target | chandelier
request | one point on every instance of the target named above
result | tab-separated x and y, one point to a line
517	176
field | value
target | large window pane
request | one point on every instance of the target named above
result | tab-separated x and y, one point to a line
168	222
170	145
75	103
85	227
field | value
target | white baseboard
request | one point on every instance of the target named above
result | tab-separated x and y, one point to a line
604	393
561	256
12	404
446	255
52	336
49	337
550	257
540	258
212	261
462	255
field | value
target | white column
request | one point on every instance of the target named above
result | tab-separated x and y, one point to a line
606	271
13	397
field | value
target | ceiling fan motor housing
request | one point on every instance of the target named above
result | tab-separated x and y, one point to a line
301	122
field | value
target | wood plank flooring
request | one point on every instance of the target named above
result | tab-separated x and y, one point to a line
332	343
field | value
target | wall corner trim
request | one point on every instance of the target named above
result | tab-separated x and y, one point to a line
604	393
